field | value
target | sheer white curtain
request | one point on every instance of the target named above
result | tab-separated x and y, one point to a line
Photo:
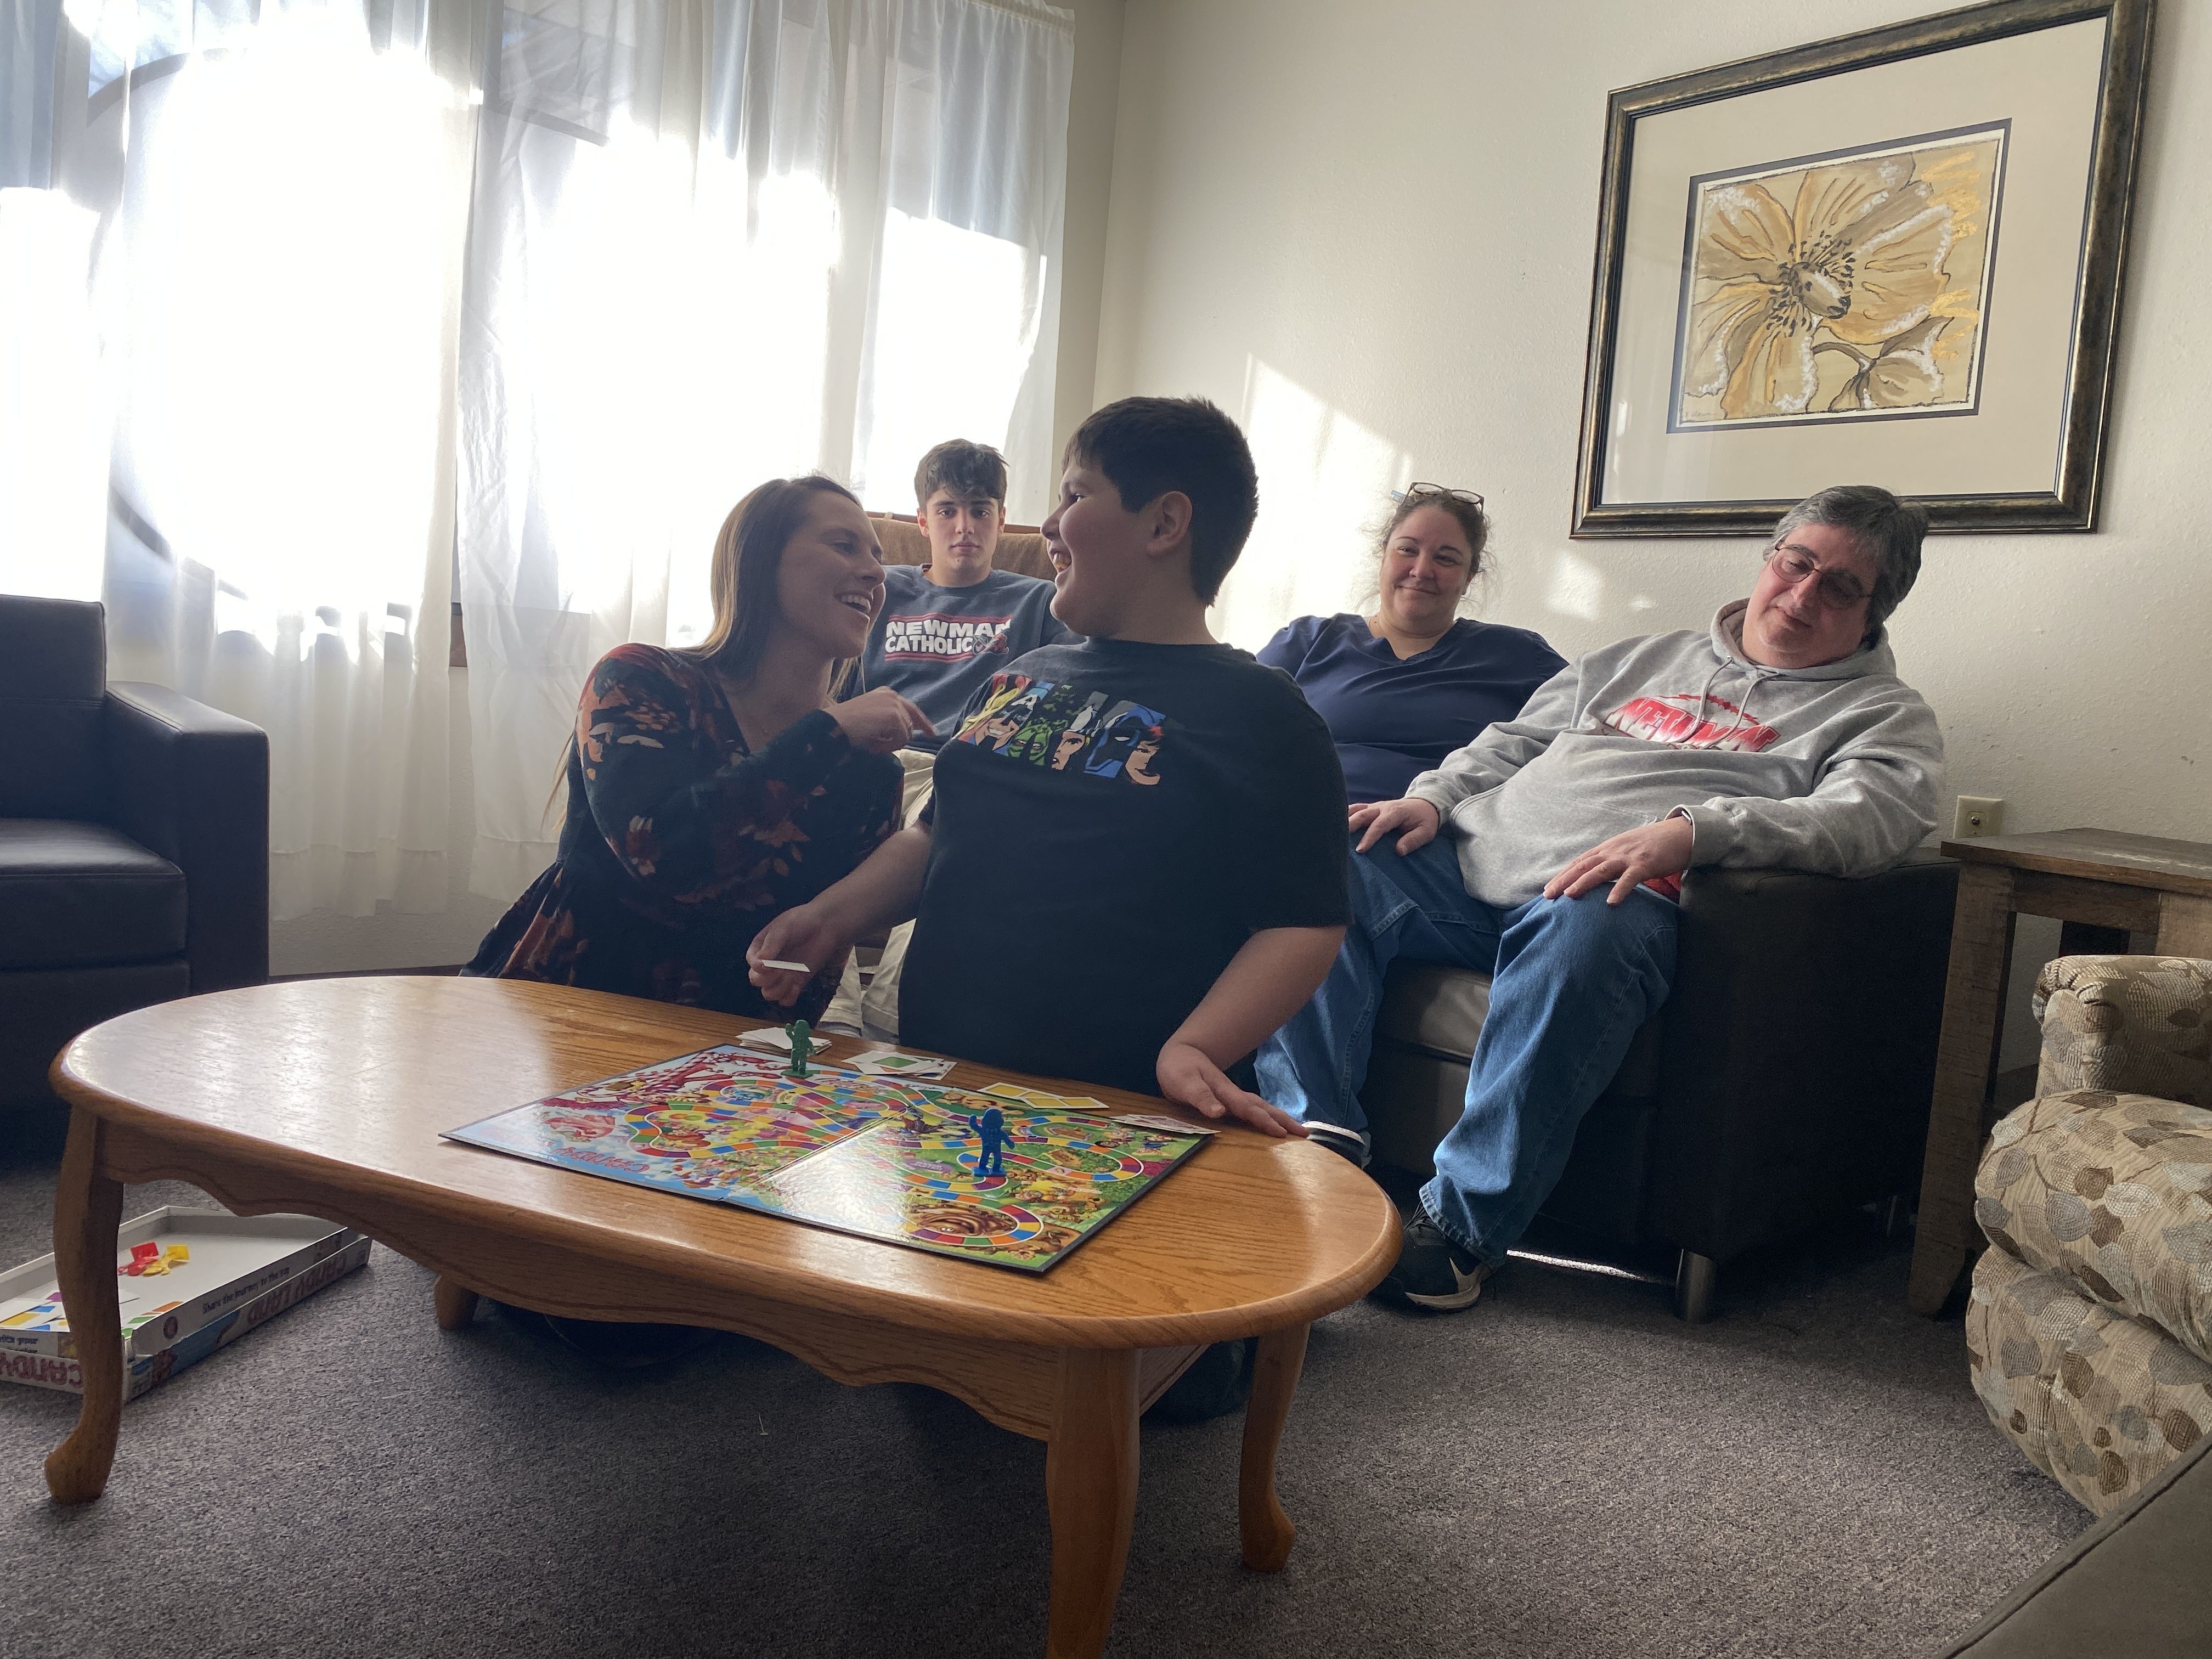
716	241
230	269
305	305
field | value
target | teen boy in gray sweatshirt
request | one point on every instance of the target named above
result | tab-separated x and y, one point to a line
1549	851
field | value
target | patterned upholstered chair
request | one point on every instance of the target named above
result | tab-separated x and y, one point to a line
2089	1334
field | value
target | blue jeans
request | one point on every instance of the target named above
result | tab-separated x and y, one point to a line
1572	980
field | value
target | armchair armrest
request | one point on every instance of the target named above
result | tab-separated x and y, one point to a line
192	784
2136	1025
1803	1020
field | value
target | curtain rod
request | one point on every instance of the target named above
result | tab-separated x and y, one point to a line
1035	11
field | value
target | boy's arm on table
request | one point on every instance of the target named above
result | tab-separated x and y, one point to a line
1291	889
883	892
1272	977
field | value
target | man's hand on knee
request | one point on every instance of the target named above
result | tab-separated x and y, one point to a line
1628	860
1418	819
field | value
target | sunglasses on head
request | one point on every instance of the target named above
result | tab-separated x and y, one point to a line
1417	492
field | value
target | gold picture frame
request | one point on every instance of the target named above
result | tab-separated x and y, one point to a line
1892	258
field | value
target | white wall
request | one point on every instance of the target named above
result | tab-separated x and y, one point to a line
1367	230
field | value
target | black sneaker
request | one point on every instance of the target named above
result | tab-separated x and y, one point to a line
1432	1271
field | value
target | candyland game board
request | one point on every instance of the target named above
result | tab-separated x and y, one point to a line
913	1163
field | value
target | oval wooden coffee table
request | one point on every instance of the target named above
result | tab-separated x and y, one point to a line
328	1097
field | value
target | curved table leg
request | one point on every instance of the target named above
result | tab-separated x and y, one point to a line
456	1305
1267	1530
1090	1489
88	1208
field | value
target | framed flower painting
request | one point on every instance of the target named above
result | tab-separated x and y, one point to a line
1893	259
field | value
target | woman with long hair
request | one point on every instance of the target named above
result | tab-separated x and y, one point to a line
711	788
1402	688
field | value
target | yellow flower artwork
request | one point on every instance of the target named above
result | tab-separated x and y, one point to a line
1840	287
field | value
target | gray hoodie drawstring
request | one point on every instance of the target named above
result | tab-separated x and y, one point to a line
1698	718
1755	676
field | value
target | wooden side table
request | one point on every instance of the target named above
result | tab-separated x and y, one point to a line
2101	884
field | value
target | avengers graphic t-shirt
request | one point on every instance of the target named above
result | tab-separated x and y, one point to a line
1113	820
934	646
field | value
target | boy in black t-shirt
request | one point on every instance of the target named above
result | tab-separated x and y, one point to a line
945	628
1134	868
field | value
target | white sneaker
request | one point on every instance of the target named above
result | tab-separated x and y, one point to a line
1351	1143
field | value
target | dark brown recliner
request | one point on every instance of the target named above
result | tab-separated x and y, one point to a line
134	848
1785	1082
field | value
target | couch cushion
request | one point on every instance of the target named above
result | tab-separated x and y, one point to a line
82	894
2114	1194
1440	1009
904	542
1427	1005
57	655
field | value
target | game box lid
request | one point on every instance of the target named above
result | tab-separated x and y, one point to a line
229	1260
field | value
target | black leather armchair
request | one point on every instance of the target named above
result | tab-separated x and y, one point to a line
1786	1081
133	847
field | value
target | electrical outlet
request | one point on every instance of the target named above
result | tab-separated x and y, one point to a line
1978	815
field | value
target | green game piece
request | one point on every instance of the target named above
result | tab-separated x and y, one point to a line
802	1046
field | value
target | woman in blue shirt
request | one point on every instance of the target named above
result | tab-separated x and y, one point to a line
1402	689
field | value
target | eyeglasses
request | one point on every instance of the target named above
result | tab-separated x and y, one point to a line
1838	592
1416	492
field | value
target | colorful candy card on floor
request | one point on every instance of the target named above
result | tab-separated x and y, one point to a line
987	1179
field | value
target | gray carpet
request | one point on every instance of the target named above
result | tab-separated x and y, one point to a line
1565	1470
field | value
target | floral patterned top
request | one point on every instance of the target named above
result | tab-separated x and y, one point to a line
680	843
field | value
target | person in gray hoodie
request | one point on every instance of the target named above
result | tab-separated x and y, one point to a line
1549	851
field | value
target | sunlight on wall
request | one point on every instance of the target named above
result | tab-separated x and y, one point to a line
278	303
52	454
1578	588
956	326
1324	479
